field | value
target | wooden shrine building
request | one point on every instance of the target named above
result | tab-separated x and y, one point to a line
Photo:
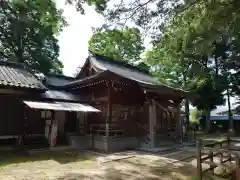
108	106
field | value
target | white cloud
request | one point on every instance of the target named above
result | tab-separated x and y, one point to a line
73	40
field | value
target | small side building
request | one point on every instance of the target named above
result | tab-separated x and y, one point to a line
32	113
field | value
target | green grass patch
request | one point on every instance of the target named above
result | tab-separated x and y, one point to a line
213	137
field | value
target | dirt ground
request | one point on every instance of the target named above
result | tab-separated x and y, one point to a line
133	166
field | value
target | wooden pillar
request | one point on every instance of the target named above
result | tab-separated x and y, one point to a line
152	122
50	135
179	122
109	114
199	159
237	173
109	102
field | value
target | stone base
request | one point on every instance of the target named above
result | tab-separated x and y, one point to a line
102	144
80	142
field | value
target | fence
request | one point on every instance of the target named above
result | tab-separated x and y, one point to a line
220	149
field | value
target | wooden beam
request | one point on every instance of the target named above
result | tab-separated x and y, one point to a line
12	91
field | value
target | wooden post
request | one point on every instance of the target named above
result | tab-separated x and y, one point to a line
194	134
109	114
199	163
211	162
228	142
237	162
228	147
221	155
178	122
237	172
110	101
50	127
152	121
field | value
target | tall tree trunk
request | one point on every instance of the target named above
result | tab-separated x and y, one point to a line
231	128
186	102
208	121
216	66
187	110
19	52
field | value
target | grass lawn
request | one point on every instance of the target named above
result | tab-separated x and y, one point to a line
209	137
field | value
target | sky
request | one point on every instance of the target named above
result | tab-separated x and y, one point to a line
73	40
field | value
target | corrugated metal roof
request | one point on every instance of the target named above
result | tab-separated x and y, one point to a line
60	95
61	106
16	75
222	118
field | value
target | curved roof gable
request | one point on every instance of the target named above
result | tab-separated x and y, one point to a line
121	69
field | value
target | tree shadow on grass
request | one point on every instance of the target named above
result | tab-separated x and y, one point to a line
62	157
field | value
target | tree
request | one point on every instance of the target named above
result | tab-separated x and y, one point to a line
148	13
188	63
27	33
173	59
119	44
122	44
200	22
218	40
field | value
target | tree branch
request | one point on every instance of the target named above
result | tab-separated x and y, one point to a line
135	9
187	6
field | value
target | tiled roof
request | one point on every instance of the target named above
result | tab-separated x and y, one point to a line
144	79
57	80
17	75
86	80
60	95
122	69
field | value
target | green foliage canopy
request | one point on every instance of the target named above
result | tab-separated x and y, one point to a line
27	33
196	43
120	44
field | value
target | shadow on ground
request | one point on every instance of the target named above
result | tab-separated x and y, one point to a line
62	157
137	169
77	166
